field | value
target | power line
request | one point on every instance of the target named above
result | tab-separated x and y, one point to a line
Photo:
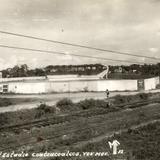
62	53
78	45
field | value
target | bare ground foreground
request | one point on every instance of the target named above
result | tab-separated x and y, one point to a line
88	130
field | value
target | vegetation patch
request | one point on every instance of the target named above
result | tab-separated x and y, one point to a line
91	106
5	102
92	103
84	128
66	105
43	109
143	142
138	144
119	99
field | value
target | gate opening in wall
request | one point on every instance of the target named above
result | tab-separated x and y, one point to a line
140	84
5	88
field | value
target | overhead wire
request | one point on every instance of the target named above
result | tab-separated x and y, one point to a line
63	53
79	45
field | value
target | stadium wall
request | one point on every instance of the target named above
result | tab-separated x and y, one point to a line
37	86
151	83
117	85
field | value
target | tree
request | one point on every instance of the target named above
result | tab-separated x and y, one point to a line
39	72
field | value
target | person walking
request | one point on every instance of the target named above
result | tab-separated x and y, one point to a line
107	93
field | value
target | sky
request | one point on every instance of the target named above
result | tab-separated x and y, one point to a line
123	25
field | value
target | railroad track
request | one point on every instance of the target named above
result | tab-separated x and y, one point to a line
71	129
68	131
54	120
61	119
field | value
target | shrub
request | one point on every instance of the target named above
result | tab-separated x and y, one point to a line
42	106
158	86
39	139
5	102
129	131
44	109
86	104
39	114
101	104
118	99
91	103
143	96
66	104
3	119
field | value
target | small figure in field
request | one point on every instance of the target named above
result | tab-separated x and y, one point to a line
107	93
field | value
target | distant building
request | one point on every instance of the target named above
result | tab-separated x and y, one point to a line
118	70
134	70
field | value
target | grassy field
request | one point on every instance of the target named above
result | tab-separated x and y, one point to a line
67	106
142	143
4	102
84	133
65	135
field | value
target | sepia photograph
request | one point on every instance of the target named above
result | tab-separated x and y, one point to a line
79	80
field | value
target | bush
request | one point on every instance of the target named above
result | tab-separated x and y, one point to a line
143	96
91	103
44	109
3	119
86	104
158	86
64	102
5	102
119	99
101	104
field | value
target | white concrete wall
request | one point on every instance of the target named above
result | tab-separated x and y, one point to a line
57	86
157	79
83	86
151	83
117	85
21	79
26	87
71	86
44	86
92	85
78	86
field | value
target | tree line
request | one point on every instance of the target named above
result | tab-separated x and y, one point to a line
123	71
24	71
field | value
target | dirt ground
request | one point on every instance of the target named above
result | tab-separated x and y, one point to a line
90	130
51	99
99	128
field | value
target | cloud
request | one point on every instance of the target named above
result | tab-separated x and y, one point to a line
9	63
122	25
68	56
154	50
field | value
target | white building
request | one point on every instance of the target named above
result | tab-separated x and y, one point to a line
72	83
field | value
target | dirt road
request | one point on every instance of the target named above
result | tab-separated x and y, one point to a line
51	99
